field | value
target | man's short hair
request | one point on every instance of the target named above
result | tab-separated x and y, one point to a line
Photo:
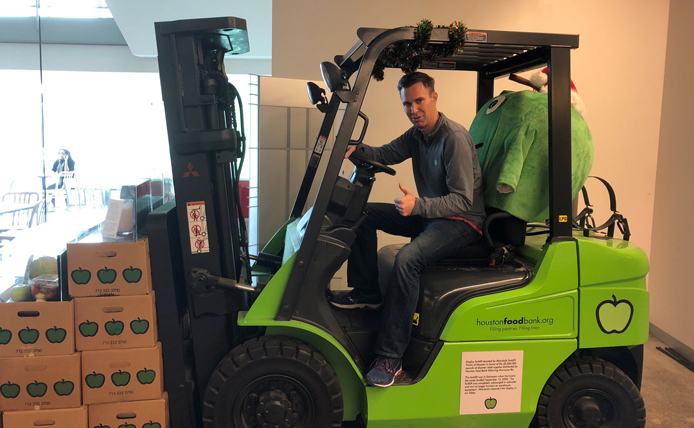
417	77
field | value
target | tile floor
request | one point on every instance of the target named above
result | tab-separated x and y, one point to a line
667	388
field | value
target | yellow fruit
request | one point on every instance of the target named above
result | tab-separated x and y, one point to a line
45	264
20	292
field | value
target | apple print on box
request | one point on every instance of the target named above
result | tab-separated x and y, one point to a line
81	276
614	316
107	275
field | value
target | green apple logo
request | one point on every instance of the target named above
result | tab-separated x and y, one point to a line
120	378
102	426
490	403
37	389
28	335
63	387
88	329
56	335
146	376
114	328
126	425
139	326
614	316
5	336
10	390
81	276
132	275
106	275
95	380
152	425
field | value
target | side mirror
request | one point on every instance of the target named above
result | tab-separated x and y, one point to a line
333	76
316	94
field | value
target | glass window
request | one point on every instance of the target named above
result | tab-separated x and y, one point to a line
111	122
55	8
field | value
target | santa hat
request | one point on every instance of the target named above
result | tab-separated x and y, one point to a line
539	80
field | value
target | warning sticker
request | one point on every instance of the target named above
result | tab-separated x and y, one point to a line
197	227
491	382
475	37
320	144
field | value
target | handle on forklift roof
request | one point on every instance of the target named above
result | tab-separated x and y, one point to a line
363	129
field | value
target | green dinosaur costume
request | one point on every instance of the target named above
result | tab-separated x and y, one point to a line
513	131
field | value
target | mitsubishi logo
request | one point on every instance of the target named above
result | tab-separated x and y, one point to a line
190	171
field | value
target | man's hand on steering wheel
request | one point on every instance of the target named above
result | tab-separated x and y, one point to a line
359	160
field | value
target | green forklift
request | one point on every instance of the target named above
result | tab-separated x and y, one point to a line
553	337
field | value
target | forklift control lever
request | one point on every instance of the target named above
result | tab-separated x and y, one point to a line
201	280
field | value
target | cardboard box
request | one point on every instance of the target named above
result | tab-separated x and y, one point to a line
108	269
36	383
55	418
148	414
118	322
36	328
122	375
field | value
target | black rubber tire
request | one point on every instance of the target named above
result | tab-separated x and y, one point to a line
606	396
270	376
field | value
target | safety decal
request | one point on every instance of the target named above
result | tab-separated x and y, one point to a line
491	382
475	37
320	144
197	228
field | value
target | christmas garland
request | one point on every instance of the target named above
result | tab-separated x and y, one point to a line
409	55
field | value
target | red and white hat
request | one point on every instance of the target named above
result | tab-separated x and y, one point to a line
539	80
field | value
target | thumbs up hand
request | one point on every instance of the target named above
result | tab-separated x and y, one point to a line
405	204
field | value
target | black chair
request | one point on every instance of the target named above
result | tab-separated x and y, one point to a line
502	233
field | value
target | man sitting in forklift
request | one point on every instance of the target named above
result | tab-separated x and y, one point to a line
447	216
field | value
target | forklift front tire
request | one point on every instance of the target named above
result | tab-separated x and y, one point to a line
590	393
273	381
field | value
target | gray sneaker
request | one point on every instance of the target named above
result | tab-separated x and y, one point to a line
384	371
356	299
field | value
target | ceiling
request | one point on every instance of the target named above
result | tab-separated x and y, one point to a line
136	18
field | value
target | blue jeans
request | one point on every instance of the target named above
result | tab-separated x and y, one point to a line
432	240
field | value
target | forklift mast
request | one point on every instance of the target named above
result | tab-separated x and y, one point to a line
211	252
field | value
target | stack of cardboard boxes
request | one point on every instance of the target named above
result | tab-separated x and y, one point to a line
39	368
115	377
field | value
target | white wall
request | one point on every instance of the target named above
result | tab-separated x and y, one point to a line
618	70
671	288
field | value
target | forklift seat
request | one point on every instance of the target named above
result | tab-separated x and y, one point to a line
449	282
500	230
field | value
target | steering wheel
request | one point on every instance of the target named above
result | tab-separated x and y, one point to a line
358	160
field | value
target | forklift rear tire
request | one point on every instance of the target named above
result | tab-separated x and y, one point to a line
273	381
590	393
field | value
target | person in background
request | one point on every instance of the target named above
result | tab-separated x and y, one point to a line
64	163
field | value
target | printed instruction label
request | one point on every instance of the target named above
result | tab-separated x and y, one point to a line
491	382
197	228
320	144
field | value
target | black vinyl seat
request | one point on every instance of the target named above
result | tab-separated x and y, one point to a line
446	284
500	230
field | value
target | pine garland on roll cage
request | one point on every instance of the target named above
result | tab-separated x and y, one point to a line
409	55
